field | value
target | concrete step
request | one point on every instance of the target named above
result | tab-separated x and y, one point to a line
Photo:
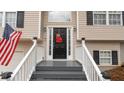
50	68
59	75
58	70
57	79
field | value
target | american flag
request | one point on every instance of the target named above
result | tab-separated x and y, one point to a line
8	44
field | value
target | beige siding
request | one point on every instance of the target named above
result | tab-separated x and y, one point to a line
1	32
58	24
21	50
31	29
44	44
122	52
74	43
14	62
105	68
104	46
99	32
31	25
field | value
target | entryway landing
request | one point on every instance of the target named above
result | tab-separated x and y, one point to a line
60	63
58	70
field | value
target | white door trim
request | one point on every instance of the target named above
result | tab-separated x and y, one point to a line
50	28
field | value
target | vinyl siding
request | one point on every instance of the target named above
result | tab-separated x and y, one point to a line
1	32
31	25
122	52
104	46
92	32
20	51
58	24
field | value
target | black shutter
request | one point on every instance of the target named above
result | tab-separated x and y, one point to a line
89	18
20	19
96	56
123	17
114	58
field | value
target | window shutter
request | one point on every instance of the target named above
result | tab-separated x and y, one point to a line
20	19
89	18
123	17
114	58
96	56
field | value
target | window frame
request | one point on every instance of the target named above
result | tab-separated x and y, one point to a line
95	19
107	19
4	18
105	57
121	22
60	20
1	19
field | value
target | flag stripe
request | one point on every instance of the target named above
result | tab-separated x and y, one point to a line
13	34
4	50
3	44
12	52
6	54
8	44
4	57
1	41
6	47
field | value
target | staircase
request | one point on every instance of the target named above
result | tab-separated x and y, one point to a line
58	70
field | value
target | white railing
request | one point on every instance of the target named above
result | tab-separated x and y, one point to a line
90	68
27	65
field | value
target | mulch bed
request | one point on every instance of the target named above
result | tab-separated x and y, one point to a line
116	74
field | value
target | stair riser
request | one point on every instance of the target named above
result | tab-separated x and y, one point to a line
58	76
65	79
58	68
48	71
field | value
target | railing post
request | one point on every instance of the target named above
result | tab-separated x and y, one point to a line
26	62
83	41
91	69
35	39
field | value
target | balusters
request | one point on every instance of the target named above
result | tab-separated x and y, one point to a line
91	69
26	66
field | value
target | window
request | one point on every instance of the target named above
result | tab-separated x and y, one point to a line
1	16
11	18
107	18
105	57
114	17
100	17
8	17
56	16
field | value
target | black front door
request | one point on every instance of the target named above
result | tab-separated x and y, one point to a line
59	43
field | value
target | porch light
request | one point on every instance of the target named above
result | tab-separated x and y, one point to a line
44	29
75	29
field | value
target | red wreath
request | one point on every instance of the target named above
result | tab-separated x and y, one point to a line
58	39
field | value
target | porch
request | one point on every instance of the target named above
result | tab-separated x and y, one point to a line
58	70
84	68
